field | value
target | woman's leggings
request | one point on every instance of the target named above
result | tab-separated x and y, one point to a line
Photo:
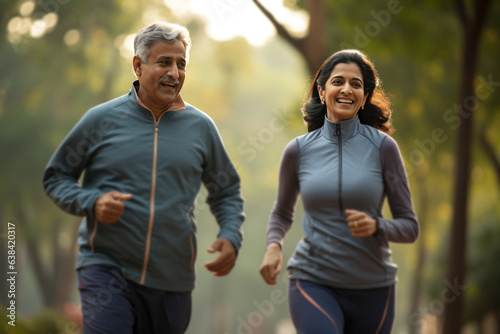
318	309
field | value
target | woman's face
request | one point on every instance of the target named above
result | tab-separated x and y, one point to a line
344	92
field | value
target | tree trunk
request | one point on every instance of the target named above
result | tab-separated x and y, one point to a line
313	46
44	283
489	149
416	290
64	268
55	277
106	93
456	273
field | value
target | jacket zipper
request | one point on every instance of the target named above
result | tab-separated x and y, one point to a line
339	134
312	249
94	231
152	201
191	263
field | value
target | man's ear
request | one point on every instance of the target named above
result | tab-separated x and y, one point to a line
136	63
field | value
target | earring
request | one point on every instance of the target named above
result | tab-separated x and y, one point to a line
322	101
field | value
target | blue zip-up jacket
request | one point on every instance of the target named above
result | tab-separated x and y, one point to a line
345	165
119	146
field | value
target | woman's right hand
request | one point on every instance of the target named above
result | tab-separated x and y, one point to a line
271	265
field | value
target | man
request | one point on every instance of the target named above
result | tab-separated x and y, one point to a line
145	155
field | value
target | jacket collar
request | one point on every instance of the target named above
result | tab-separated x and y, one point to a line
177	104
347	129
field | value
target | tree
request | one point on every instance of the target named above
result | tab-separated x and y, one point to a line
484	298
313	46
471	24
489	149
417	284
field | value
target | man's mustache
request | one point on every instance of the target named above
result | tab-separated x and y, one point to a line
169	81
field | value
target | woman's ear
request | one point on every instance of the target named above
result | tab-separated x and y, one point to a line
321	93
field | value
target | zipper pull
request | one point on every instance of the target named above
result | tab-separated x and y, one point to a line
156	126
337	130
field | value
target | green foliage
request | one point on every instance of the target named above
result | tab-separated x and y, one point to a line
47	322
254	95
484	291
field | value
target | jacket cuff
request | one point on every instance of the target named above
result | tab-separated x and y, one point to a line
87	201
234	237
380	227
275	241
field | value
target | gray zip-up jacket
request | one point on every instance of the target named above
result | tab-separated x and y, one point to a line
162	163
345	165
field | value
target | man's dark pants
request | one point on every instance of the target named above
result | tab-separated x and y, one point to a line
111	304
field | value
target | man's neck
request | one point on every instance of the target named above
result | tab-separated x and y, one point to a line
157	112
176	104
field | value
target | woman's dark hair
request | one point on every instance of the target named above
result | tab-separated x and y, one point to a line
376	112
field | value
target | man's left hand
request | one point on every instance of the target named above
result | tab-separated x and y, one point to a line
224	263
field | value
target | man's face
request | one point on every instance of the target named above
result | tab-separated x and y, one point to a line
162	77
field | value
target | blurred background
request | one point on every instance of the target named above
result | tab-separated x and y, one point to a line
250	69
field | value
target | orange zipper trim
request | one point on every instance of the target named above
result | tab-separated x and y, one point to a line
385	311
152	201
192	250
93	235
315	304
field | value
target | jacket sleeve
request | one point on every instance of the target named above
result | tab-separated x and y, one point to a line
222	182
281	218
403	227
64	169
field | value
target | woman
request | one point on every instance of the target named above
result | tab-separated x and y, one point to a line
342	275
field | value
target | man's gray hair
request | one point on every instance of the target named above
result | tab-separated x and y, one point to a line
150	34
